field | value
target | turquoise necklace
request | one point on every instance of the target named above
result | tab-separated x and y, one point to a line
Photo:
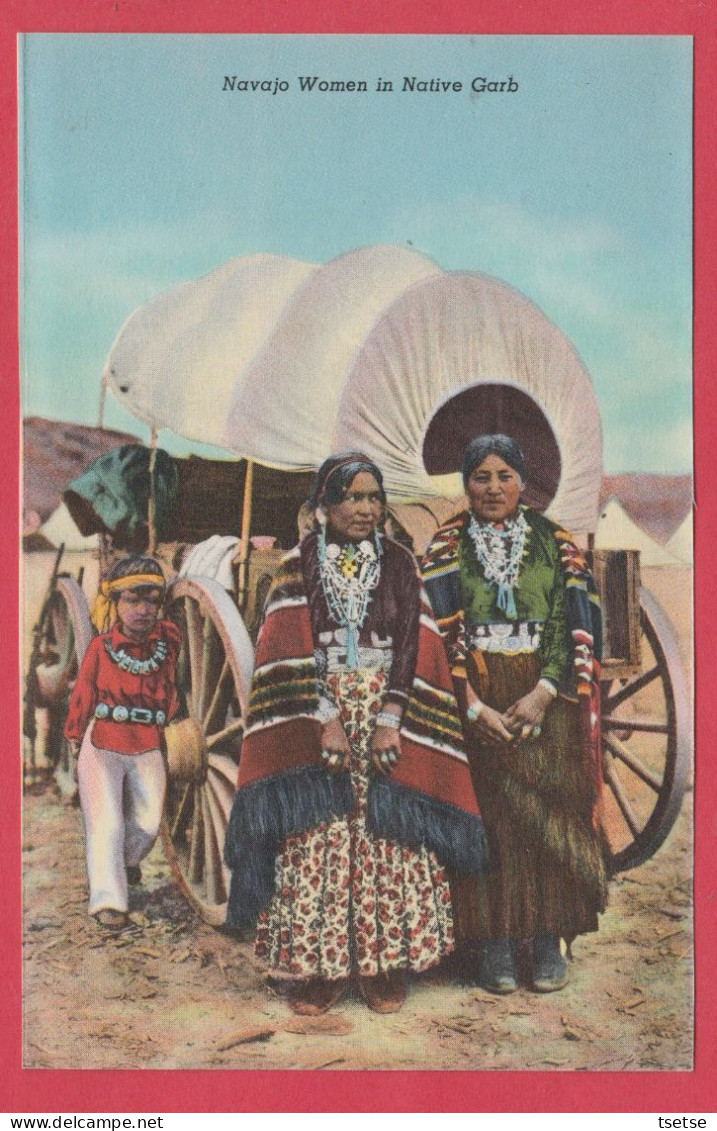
134	666
349	576
499	552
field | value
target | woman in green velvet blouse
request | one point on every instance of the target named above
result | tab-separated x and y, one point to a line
520	619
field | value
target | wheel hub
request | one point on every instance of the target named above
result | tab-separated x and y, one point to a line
186	751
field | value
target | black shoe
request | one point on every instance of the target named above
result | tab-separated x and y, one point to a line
497	972
134	874
550	970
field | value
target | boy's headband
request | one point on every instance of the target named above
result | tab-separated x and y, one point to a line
104	614
133	581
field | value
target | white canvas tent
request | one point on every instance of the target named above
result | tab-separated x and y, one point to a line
617	531
681	544
381	350
60	529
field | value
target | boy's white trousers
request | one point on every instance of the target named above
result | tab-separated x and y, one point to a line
122	798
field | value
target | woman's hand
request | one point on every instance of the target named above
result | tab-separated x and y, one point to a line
385	748
490	726
524	718
335	749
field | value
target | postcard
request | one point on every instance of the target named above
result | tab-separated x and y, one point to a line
356	394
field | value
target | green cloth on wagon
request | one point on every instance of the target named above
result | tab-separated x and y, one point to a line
112	495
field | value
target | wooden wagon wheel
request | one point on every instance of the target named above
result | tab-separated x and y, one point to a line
646	744
63	635
203	746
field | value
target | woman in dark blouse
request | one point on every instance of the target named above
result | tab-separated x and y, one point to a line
362	891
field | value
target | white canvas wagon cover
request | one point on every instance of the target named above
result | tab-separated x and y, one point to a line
381	350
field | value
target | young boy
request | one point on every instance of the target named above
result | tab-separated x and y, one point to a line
123	697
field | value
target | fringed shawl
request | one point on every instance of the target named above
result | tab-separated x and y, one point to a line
283	786
441	576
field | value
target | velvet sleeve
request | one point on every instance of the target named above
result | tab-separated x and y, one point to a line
554	647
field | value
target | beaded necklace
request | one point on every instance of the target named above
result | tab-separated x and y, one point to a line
349	574
138	667
499	552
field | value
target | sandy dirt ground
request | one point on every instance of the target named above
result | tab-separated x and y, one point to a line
171	992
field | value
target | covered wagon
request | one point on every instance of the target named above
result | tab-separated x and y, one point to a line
282	363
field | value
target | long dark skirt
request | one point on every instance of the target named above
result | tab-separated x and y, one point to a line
537	799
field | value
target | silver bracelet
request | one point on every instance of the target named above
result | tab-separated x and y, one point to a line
327	711
388	719
473	712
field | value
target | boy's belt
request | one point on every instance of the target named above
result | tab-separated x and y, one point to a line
121	714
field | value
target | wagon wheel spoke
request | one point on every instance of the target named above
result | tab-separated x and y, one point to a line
231	731
219	700
196	850
224	771
623	752
194	644
222	800
182	814
212	851
206	667
645	745
624	806
218	817
644	726
631	688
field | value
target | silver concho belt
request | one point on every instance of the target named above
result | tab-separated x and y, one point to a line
333	659
516	636
121	714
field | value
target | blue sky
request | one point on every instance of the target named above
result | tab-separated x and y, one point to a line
140	172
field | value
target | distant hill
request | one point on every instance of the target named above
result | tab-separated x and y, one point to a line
657	503
53	453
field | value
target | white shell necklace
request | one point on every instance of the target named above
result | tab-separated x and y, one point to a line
138	667
349	574
499	553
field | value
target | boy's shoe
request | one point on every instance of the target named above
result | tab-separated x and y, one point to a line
497	970
550	970
134	874
111	919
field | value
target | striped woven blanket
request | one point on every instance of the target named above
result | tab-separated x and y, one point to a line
283	786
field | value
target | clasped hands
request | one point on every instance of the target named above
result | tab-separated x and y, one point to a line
335	749
523	719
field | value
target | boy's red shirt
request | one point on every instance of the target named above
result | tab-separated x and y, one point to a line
101	680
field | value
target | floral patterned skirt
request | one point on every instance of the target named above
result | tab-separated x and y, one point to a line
346	900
